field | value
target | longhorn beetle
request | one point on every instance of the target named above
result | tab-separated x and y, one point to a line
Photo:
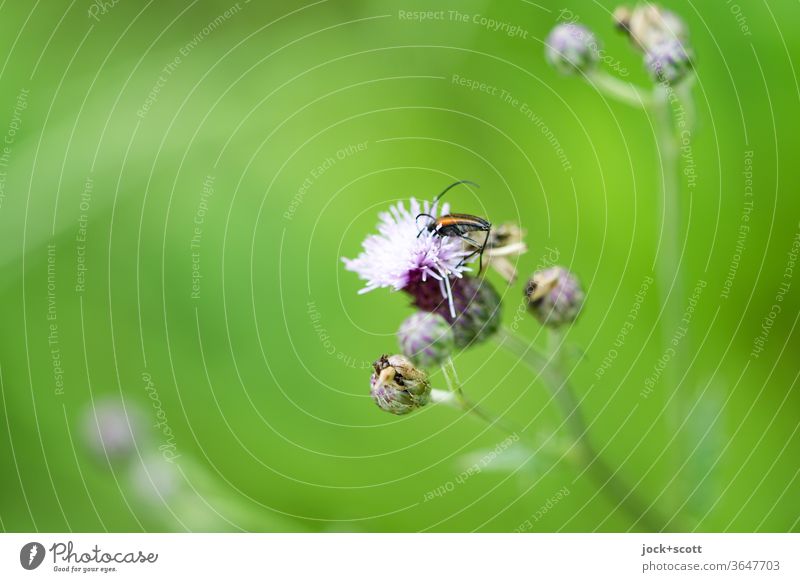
459	225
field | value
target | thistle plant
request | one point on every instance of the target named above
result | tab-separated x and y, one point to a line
458	308
404	258
662	38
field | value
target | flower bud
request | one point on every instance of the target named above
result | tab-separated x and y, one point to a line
397	386
668	61
477	311
426	338
111	429
571	47
506	240
477	307
650	24
622	18
554	296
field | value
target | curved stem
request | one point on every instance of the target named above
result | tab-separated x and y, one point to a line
588	459
674	338
626	93
668	260
455	397
684	91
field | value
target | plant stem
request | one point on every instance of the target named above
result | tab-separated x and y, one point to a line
668	259
588	459
455	397
668	263
610	86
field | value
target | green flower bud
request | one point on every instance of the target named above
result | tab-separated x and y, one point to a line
426	338
554	296
397	386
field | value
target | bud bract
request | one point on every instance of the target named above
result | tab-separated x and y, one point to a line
397	386
554	296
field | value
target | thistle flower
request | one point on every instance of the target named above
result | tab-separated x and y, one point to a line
111	429
571	47
476	304
426	338
668	61
402	256
648	24
397	386
554	296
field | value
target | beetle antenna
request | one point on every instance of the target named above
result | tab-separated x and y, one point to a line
453	185
424	227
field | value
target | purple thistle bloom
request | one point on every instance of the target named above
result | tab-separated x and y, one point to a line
476	303
404	254
571	47
555	296
426	338
111	428
669	61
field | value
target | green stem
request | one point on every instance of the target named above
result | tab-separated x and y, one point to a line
684	92
668	260
551	369
626	93
457	398
668	264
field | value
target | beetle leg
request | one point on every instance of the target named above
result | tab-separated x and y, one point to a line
483	248
472	241
468	257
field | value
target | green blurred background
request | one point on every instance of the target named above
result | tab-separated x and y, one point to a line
130	125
